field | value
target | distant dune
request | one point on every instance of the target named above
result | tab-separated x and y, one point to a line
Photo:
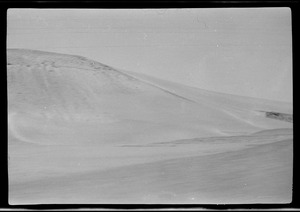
82	131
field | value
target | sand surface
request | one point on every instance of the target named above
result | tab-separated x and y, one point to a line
83	132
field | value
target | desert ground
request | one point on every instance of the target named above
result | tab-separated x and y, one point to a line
80	131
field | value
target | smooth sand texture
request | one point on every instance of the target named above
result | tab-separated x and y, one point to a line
84	132
257	174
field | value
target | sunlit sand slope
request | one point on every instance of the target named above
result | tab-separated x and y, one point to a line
50	95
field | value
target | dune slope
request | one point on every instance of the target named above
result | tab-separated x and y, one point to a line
49	94
82	131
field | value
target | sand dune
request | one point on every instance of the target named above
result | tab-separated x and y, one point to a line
261	174
81	131
56	91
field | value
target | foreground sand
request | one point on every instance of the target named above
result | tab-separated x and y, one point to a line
258	173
